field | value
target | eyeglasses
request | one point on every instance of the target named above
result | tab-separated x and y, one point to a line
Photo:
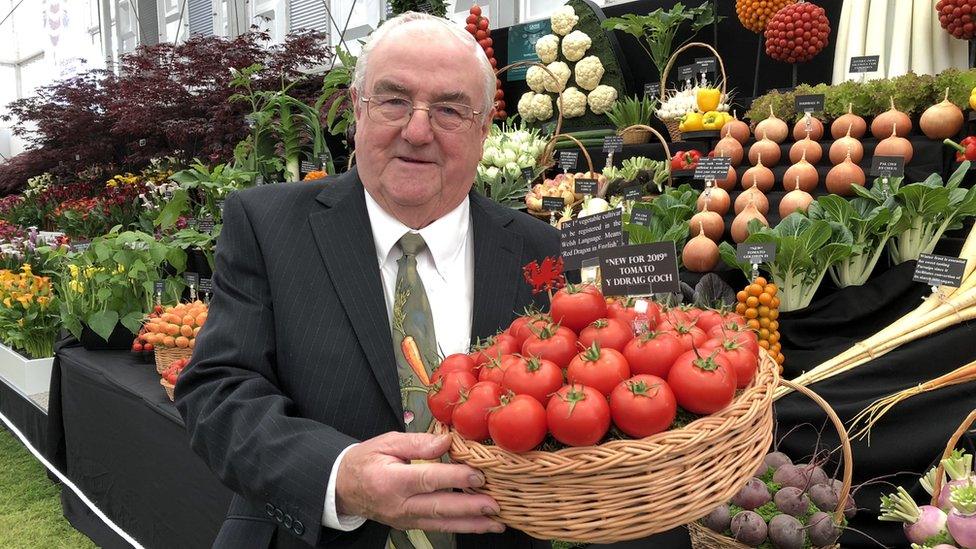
391	110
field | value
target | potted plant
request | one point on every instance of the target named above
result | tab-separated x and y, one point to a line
632	111
29	326
108	289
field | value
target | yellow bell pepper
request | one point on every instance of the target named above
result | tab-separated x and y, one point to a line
972	99
708	99
691	122
713	120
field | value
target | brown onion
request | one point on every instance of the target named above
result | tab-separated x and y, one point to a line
774	127
797	199
842	176
895	146
700	254
729	147
815	131
751	195
808	147
717	200
729	182
849	121
759	175
711	222
738	129
740	225
882	124
942	120
805	172
844	146
765	148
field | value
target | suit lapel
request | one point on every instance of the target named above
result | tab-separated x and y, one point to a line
497	272
345	240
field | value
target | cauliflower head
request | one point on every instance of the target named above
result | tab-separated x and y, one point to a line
562	73
525	106
563	20
547	48
536	78
575	45
574	103
541	106
589	71
602	99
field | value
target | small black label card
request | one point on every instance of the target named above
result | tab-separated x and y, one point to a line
686	72
706	64
259	180
632	193
528	174
206	284
865	63
640	269
586	186
640	216
220	206
712	168
568	160
809	103
762	252
613	143
159	287
939	270
192	279
552	203
652	89
584	238
80	246
206	224
888	166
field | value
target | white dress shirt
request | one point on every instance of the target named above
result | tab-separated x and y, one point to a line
446	268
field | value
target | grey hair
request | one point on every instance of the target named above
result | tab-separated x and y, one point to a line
424	20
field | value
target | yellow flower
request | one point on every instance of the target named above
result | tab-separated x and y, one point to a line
76	286
90	271
7	302
74	270
25	300
43	300
27	269
120	269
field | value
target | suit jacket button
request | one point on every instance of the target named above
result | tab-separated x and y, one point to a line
270	509
288	521
279	515
299	527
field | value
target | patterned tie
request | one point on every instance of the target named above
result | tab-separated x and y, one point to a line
416	354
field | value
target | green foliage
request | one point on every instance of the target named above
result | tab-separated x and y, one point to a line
669	216
630	111
960	84
433	7
335	88
782	104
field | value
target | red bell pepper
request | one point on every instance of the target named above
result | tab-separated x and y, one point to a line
685	160
965	150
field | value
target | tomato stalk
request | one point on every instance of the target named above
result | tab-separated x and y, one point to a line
593	353
572	397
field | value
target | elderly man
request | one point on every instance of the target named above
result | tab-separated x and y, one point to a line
299	395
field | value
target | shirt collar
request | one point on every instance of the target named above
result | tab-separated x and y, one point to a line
444	237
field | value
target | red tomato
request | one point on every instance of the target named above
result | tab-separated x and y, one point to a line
553	343
470	417
743	361
475	10
483	23
443	396
575	307
538	378
609	333
737	333
578	415
490	52
518	424
493	347
481	34
702	385
642	406
690	336
458	362
602	369
494	369
653	353
522	327
472	19
471	28
623	309
709	319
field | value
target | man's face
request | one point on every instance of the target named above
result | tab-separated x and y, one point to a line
418	166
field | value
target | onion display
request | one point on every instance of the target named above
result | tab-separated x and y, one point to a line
740	225
716	200
843	175
729	182
731	148
894	145
710	222
881	126
849	121
773	127
760	176
797	199
737	129
845	146
764	148
806	147
700	254
752	195
805	173
814	130
942	120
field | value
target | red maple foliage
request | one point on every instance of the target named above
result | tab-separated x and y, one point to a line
545	277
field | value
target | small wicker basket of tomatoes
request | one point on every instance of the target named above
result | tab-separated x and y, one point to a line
602	423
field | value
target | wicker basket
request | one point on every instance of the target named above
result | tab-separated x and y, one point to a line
706	538
950	446
548	154
626	489
169	388
641	128
166	355
672	125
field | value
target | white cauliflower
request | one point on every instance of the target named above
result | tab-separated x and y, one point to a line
525	106
563	20
589	71
542	106
536	78
602	99
562	73
574	103
575	45
547	48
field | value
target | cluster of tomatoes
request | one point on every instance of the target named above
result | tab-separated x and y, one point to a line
589	366
175	326
141	344
759	304
172	372
477	25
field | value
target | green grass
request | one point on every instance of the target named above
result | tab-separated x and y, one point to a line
30	504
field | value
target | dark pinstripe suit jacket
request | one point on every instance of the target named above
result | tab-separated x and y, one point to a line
296	360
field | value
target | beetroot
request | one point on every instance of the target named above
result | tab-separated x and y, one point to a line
822	530
753	494
786	532
792	501
776	460
748	528
826	496
719	519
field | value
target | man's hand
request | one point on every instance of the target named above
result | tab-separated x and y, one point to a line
376	480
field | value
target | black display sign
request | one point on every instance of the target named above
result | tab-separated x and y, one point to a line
568	160
585	186
686	72
159	287
640	269
206	224
712	168
81	246
762	252
632	193
192	222
528	174
939	270
640	216
652	89
259	180
192	279
865	63
324	159
220	205
584	238
706	64
809	103
206	284
308	166
888	166
552	203
613	143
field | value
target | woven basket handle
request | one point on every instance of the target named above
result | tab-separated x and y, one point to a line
550	150
674	58
940	472
845	443
664	142
559	97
